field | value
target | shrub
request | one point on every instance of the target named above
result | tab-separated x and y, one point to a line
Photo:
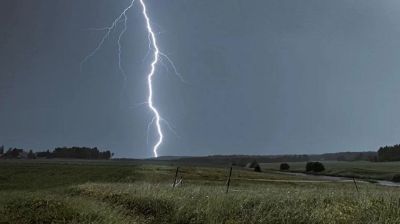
318	167
284	166
314	167
254	165
257	168
309	166
396	178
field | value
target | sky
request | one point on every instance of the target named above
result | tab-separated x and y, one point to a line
261	76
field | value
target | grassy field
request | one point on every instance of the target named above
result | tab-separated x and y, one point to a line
133	192
358	169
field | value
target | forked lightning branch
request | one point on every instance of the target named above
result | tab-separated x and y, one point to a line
156	54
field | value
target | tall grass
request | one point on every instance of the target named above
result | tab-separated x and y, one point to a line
319	203
71	193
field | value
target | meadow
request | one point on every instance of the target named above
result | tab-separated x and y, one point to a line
141	192
357	169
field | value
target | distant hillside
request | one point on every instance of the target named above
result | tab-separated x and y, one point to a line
242	160
347	156
167	158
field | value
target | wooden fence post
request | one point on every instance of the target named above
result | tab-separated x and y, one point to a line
355	183
228	182
176	176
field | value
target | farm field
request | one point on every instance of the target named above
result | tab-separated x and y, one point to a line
138	192
358	169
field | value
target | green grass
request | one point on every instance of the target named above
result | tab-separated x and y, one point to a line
358	169
39	175
49	207
133	192
256	204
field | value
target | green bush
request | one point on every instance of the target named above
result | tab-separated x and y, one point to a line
257	168
396	178
254	165
314	167
284	166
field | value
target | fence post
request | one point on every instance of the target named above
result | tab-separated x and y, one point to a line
176	175
355	183
228	182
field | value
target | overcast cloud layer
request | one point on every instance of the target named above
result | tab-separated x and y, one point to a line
263	76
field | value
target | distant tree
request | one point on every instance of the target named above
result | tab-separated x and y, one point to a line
318	167
309	166
284	166
31	155
13	153
314	167
396	178
254	165
2	149
80	153
105	155
389	153
45	154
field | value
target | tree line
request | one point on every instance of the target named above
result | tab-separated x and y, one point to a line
389	153
61	152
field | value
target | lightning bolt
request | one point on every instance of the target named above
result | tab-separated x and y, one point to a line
156	58
150	76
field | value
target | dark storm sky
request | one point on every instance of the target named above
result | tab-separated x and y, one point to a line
263	76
